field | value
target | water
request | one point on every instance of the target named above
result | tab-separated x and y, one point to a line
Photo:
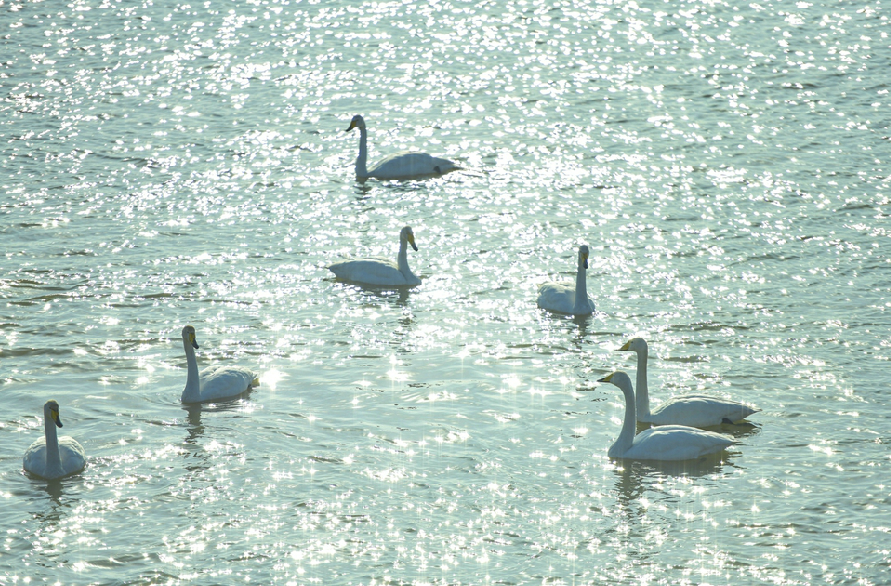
166	163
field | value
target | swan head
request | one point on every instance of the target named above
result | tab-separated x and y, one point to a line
583	256
635	345
189	337
51	410
620	379
408	236
356	122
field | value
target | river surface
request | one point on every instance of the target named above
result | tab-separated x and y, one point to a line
168	163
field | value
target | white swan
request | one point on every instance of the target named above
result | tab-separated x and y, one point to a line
693	410
399	166
566	298
377	272
53	457
214	383
669	442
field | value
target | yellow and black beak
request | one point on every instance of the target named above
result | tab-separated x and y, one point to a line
411	240
585	260
193	341
352	125
56	419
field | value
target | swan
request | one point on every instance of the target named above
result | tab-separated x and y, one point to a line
376	272
669	442
399	166
214	383
693	410
563	297
53	457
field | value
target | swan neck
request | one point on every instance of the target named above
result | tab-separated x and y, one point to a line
643	394
362	160
629	427
193	388
53	461
581	291
402	258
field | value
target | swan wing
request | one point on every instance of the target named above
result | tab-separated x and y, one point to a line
561	298
221	382
34	460
369	272
699	411
676	442
406	165
71	454
557	297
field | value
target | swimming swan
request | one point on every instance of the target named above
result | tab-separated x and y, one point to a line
398	166
53	457
214	383
563	297
693	410
669	442
376	272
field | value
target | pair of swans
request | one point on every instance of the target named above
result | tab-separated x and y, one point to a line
53	457
399	166
676	435
559	297
665	443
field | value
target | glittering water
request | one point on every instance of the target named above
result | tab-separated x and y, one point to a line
169	163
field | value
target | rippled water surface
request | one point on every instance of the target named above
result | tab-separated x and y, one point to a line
170	163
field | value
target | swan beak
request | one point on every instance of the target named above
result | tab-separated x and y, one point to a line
625	348
585	259
193	341
56	419
411	240
607	379
352	126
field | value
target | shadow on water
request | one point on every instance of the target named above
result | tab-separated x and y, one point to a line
55	489
633	477
366	187
740	429
195	411
57	506
363	190
395	295
194	450
577	327
196	428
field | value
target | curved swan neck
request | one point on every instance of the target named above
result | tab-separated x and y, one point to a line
53	461
643	394
402	258
193	387
361	161
581	291
629	426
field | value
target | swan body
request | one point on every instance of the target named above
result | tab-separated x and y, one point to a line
214	383
669	442
51	456
398	166
694	410
382	273
567	298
